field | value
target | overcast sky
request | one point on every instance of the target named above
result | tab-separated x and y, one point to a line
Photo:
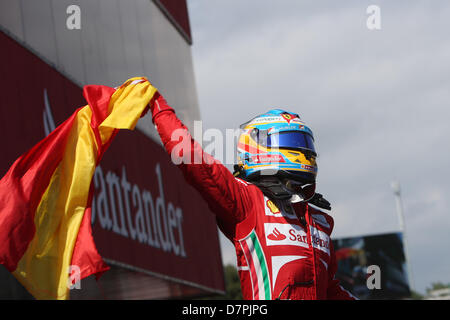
376	100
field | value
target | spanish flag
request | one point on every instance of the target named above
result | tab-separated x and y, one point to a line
45	197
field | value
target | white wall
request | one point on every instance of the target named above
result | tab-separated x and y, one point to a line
117	40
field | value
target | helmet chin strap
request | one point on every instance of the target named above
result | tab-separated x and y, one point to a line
296	198
273	188
300	192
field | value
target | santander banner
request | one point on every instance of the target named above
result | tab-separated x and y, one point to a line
144	215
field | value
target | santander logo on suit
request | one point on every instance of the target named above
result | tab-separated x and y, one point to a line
292	234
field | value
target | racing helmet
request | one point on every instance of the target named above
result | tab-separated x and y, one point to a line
277	143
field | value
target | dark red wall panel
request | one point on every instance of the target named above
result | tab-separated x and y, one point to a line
177	12
139	193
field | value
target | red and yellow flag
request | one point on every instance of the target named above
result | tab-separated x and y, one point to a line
45	197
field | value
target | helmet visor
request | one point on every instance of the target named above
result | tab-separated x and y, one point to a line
291	140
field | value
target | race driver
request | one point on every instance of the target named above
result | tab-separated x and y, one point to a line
282	241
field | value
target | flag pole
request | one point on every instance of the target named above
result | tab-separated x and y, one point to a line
401	219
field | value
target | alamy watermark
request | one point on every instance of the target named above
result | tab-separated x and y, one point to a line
373	21
211	145
373	277
73	21
74	280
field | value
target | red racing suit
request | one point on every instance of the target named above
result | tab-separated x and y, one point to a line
283	251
